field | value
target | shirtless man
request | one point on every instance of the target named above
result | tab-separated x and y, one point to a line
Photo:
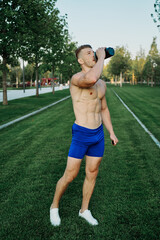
90	108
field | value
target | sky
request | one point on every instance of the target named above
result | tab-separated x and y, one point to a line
111	23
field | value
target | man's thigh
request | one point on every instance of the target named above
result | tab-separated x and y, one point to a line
73	165
92	163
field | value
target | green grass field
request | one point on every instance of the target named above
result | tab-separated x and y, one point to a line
144	102
125	201
19	107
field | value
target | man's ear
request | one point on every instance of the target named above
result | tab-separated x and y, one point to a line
80	60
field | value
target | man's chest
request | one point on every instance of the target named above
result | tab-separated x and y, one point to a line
95	92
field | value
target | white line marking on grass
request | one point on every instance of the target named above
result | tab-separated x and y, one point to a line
142	125
32	113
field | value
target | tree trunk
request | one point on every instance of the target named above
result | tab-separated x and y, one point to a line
152	81
4	77
53	90
16	81
116	80
133	78
37	91
121	79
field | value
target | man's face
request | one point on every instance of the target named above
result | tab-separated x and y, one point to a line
87	57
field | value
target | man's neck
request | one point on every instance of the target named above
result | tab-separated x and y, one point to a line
85	69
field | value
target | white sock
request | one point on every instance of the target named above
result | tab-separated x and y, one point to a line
54	217
88	217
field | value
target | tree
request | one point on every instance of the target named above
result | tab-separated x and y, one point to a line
9	12
25	32
36	29
138	65
15	74
156	18
120	64
29	70
106	74
58	40
152	65
147	70
69	66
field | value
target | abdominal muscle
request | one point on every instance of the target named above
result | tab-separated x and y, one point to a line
88	113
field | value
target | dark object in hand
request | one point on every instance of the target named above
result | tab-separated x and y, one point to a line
112	142
109	53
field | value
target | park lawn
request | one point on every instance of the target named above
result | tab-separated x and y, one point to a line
19	107
144	102
33	157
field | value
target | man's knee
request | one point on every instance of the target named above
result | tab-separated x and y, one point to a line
72	169
91	174
69	176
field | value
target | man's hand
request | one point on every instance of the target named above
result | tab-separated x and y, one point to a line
114	139
100	52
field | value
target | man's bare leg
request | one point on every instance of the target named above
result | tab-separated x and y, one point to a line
92	167
71	171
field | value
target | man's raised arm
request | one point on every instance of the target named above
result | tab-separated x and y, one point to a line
88	79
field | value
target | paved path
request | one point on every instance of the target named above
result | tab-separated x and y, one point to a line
15	94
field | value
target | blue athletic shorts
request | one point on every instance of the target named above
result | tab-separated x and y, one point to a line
86	141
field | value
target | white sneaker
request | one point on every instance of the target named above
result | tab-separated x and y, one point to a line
54	217
88	217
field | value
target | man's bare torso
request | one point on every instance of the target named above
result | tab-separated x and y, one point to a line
87	104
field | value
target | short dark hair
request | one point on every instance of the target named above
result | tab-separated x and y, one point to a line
80	48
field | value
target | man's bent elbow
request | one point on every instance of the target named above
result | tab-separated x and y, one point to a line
91	78
86	82
92	81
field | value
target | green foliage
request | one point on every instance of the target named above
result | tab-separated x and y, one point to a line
152	64
9	12
156	18
69	65
34	25
44	67
31	30
138	65
106	75
57	41
15	73
153	52
142	67
147	70
29	70
121	62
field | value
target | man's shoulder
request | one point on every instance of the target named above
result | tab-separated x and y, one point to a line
74	83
